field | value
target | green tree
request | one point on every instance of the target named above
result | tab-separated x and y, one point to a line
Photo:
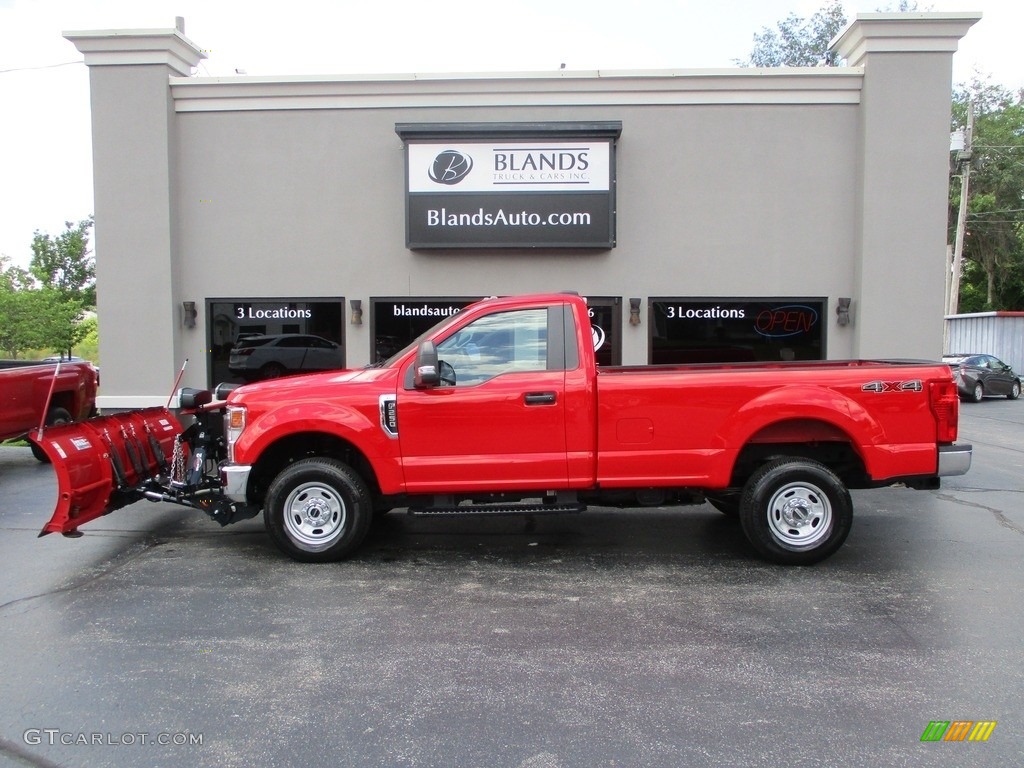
798	42
19	327
993	270
65	264
43	307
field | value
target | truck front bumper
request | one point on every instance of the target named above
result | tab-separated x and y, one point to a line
235	480
954	459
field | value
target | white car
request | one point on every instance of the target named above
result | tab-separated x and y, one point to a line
267	357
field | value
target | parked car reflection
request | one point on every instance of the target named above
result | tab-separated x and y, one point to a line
267	357
979	375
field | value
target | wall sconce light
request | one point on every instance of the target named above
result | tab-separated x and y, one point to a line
188	314
843	311
634	311
357	311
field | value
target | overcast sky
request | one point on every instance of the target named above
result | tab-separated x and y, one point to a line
46	168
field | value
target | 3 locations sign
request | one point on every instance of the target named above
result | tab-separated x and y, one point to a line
535	186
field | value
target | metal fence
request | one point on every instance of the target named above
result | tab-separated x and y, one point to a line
993	333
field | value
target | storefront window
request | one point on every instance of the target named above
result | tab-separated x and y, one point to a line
606	325
251	340
397	321
736	330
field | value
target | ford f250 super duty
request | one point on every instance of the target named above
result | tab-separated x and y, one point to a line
33	393
501	409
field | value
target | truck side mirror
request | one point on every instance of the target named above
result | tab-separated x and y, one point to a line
425	369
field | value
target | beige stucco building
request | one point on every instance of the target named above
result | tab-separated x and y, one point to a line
706	214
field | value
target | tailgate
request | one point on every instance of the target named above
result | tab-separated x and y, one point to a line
104	463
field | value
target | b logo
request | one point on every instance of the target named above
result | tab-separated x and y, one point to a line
450	167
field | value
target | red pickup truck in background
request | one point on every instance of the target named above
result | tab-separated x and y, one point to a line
501	409
26	386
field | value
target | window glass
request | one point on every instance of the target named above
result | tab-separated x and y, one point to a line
606	327
505	342
701	330
398	321
251	339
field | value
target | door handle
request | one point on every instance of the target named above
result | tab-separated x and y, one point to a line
539	398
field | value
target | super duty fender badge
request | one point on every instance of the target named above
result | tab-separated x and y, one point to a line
389	415
914	385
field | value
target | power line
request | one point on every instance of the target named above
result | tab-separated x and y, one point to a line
42	67
997	213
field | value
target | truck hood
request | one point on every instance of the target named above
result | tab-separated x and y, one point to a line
310	386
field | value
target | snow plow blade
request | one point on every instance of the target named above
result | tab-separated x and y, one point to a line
106	463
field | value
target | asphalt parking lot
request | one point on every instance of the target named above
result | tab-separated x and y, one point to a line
612	638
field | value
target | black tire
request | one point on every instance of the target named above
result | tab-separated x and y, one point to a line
1014	391
318	510
53	418
272	371
795	511
726	502
977	393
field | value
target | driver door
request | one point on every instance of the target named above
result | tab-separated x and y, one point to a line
497	421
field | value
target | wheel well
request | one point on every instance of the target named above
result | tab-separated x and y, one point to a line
65	400
803	438
305	445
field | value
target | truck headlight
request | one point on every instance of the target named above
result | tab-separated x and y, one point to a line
234	423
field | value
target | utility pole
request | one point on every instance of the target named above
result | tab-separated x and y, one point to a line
964	162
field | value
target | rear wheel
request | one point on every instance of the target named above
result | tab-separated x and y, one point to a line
55	417
318	510
272	371
795	512
978	393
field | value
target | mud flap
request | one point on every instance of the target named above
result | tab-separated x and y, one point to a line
106	463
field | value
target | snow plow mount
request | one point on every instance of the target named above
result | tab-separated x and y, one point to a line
109	462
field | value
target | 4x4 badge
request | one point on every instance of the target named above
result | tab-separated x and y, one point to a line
914	385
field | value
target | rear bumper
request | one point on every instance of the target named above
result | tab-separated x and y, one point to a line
954	460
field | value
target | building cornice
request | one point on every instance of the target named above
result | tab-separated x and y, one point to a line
825	85
128	47
902	33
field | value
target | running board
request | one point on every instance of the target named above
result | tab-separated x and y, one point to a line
498	509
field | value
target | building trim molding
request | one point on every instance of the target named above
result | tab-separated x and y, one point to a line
784	85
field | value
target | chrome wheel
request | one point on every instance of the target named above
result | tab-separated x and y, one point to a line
314	516
795	511
318	510
799	516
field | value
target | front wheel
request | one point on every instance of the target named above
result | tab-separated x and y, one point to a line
1014	391
318	510
795	512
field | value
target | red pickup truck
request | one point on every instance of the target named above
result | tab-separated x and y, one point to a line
27	388
501	409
